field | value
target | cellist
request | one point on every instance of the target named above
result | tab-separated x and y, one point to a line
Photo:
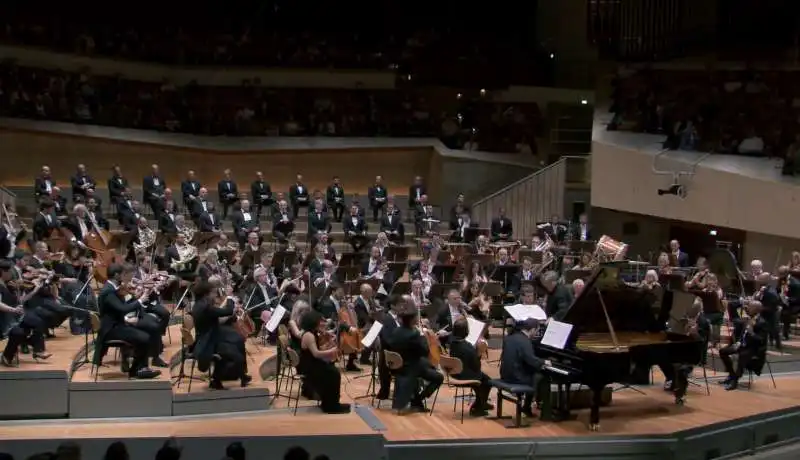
334	308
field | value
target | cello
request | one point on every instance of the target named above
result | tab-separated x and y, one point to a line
98	240
349	341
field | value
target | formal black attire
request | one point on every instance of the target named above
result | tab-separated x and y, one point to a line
455	214
282	227
422	217
261	192
520	365
321	377
501	225
189	188
582	232
73	223
112	310
414	193
771	301
166	224
558	302
377	195
358	238
334	196
471	370
43	226
414	350
78	182
790	311
244	222
31	328
318	222
97	215
218	339
752	349
59	205
364	310
228	195
390	323
208	222
42	186
153	193
196	209
458	229
116	187
298	198
391	223
186	272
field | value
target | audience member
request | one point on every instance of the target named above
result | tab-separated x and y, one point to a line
296	453
116	451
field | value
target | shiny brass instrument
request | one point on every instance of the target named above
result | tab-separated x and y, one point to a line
186	253
147	238
188	232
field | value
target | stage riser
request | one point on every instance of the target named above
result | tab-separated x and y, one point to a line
120	399
251	399
34	394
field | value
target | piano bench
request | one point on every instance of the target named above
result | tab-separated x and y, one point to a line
514	393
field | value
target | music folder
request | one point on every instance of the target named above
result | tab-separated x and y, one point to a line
275	319
556	334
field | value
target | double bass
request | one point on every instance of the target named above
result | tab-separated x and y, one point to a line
349	341
98	240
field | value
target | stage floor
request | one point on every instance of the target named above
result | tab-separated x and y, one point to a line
630	413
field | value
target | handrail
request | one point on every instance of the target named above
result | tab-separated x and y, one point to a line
6	190
514	184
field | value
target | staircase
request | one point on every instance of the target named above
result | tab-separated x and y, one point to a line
534	198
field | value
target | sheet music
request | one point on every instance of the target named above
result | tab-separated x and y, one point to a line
372	334
556	334
275	319
520	312
475	330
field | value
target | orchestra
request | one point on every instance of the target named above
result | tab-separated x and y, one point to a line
425	301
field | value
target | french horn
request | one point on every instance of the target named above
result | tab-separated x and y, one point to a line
147	238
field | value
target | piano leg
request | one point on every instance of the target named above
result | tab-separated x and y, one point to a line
594	413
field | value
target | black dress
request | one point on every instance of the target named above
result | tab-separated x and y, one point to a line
323	378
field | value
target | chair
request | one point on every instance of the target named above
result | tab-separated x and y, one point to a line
119	345
511	392
750	373
287	374
451	367
394	362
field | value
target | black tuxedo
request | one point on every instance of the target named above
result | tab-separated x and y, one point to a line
72	223
752	349
116	187
190	188
389	325
42	228
414	350
334	196
167	223
421	213
393	227
471	370
153	193
318	222
40	186
262	196
412	194
578	234
454	214
455	227
501	226
209	222
355	232
377	195
196	208
77	182
242	226
59	205
280	229
228	195
298	198
102	222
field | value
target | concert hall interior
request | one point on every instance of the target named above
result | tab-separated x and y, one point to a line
424	239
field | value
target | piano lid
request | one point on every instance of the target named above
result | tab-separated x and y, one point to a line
629	308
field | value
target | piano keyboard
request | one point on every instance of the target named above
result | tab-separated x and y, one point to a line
557	370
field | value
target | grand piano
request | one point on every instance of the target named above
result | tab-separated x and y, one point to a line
616	333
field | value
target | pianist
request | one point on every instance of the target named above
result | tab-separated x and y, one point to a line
471	367
520	365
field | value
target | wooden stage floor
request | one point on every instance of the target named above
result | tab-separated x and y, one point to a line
629	414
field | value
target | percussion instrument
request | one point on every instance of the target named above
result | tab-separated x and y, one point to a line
609	249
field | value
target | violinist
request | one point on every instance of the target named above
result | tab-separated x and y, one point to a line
251	253
315	261
663	264
471	368
75	271
474	275
390	322
478	303
21	325
366	306
294	281
382	241
453	309
386	276
329	308
750	332
699	279
153	316
327	278
407	340
372	264
118	321
264	293
216	336
316	364
12	233
419	296
45	298
771	303
790	294
45	221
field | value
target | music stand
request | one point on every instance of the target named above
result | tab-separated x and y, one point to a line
349	259
504	274
472	233
440	290
581	247
444	273
282	260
